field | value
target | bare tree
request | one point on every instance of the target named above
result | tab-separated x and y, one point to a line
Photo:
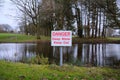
5	28
30	8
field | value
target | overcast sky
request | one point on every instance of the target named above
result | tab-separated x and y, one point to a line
8	13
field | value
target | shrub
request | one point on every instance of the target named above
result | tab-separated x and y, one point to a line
39	60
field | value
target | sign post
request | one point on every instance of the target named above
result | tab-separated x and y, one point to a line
61	38
61	56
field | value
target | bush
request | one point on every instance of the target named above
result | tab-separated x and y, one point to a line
39	60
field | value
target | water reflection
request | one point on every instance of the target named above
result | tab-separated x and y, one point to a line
78	54
16	52
101	54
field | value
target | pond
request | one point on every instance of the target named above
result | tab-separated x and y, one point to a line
77	54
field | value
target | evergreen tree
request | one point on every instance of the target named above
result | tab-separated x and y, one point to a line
64	14
112	13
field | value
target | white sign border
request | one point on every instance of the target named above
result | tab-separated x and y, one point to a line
70	41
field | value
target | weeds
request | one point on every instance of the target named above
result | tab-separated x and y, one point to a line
39	60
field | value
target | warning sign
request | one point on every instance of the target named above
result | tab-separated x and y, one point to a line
61	38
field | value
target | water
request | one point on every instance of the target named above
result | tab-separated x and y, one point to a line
78	54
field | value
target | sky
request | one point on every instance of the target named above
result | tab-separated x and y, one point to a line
118	2
8	13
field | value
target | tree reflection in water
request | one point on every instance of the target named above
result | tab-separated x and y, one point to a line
77	54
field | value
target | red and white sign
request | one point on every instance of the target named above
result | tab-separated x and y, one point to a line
61	38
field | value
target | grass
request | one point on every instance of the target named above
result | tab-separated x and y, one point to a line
96	40
10	37
19	71
113	38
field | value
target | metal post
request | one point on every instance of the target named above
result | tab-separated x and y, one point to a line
61	56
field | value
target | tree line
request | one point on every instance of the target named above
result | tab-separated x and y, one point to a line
5	28
88	18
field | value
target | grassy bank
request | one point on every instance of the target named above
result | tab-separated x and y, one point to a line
19	71
10	37
96	40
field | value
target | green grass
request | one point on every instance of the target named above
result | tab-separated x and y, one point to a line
19	71
113	38
97	40
10	37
